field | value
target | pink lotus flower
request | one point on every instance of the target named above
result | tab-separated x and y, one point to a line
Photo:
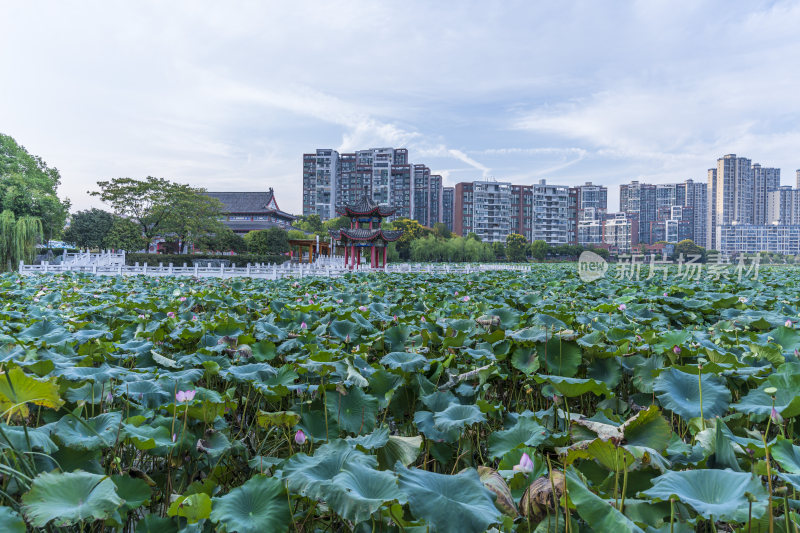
303	325
141	316
525	464
339	301
362	308
185	395
171	314
311	302
299	299
665	295
194	317
422	319
347	338
676	349
466	298
788	323
622	307
183	298
395	318
776	417
456	293
300	437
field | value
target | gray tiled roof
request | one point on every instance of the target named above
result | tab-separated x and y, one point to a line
254	203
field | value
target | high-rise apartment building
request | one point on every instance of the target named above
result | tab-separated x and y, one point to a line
448	204
695	195
522	210
483	208
332	180
320	183
552	220
764	181
783	206
638	202
797	183
711	210
591	196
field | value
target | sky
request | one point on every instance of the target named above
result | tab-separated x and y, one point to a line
229	95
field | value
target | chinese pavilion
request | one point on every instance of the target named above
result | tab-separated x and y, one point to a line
365	232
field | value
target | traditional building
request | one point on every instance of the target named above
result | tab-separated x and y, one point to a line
365	232
250	211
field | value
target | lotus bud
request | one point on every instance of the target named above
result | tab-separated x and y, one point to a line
466	298
347	338
676	349
303	325
622	307
788	323
525	464
300	437
775	416
171	314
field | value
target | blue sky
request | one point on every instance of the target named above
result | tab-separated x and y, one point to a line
228	95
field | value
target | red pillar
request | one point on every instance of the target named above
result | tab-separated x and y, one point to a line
358	258
384	256
372	256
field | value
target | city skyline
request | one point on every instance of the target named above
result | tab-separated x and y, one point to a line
228	99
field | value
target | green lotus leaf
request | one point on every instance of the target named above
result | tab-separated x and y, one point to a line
788	338
134	491
529	335
405	361
345	330
526	432
260	504
147	437
787	397
571	387
287	419
595	511
376	439
643	373
525	359
458	417
266	331
786	454
258	372
449	504
424	420
309	475
561	358
395	338
192	507
92	434
399	449
26	439
11	521
680	392
648	429
607	371
68	498
17	389
45	332
722	494
606	453
358	491
354	411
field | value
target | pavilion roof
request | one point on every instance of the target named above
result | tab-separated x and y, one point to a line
366	235
366	207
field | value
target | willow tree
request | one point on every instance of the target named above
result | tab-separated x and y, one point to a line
18	239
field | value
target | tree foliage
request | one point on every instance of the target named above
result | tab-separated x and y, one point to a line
161	207
223	240
125	235
28	187
18	239
89	228
516	247
268	241
539	249
688	248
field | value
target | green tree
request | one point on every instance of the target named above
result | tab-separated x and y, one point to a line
499	250
687	247
440	230
602	252
88	229
125	235
411	230
268	241
223	240
195	215
336	223
539	249
297	234
18	239
473	236
155	204
516	247
28	188
309	224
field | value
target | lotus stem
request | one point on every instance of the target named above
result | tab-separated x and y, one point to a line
672	515
700	386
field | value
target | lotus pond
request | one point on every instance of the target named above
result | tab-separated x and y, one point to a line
502	400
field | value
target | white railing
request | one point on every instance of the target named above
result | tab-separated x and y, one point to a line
265	271
88	259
